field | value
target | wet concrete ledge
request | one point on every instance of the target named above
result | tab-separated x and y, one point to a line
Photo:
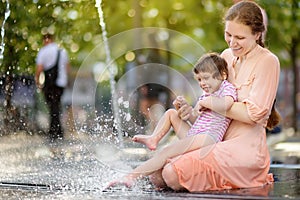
29	171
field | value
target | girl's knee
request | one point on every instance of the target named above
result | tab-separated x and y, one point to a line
171	112
172	115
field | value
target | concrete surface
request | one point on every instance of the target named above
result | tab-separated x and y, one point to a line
82	165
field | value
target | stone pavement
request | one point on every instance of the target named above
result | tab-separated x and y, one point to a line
81	167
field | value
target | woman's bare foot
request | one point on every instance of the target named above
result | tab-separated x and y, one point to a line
128	182
147	140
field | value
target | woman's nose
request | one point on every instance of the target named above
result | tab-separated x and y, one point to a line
232	41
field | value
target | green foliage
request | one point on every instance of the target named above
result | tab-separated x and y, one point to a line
283	27
76	25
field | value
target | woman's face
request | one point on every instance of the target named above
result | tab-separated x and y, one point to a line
239	38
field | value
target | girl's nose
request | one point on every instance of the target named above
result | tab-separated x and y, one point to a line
202	84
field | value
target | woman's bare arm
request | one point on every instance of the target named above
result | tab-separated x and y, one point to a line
237	111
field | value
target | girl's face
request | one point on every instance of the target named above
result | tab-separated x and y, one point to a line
207	82
239	38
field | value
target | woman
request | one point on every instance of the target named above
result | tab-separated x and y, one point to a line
242	160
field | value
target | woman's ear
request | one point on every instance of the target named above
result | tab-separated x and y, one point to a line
258	35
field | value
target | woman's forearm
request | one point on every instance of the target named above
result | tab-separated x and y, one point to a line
220	104
234	110
239	112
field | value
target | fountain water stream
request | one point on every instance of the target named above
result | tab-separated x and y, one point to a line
110	65
2	46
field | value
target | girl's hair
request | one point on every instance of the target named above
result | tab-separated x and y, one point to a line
249	14
212	63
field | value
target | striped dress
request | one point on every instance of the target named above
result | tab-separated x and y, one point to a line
210	122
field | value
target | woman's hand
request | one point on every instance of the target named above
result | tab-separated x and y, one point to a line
197	109
126	181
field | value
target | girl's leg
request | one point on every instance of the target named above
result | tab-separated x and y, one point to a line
168	120
160	158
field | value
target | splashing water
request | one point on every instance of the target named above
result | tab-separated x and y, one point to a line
117	120
6	15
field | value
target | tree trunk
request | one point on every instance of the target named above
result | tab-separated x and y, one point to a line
293	53
11	117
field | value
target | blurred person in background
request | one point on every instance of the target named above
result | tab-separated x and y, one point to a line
54	63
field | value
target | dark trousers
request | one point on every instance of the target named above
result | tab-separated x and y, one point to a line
53	95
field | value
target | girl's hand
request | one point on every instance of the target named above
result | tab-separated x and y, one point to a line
185	112
178	102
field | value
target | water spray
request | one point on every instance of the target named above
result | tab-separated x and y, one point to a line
109	62
2	46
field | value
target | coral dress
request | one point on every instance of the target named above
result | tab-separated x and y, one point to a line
242	159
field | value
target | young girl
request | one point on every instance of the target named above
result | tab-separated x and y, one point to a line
208	127
211	72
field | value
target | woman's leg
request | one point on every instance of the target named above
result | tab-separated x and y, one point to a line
160	158
168	120
157	179
170	178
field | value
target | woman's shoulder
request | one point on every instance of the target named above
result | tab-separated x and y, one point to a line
268	56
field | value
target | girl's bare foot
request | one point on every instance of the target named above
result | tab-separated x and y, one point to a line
146	140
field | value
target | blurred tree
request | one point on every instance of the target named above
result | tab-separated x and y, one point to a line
76	25
23	37
284	39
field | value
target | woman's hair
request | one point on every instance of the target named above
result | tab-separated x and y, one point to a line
249	14
274	118
212	63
